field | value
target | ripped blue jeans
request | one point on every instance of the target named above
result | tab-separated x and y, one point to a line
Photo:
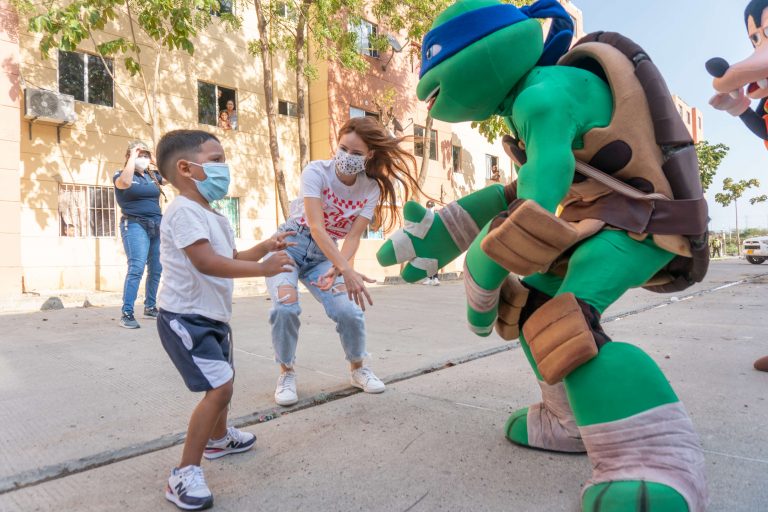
311	264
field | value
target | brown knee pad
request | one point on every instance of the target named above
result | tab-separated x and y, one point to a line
563	334
512	299
527	238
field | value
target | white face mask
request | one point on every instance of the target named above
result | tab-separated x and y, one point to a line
349	165
141	163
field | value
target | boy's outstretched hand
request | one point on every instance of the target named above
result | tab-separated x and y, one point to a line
278	243
277	263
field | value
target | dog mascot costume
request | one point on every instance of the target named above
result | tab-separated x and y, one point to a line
608	198
752	73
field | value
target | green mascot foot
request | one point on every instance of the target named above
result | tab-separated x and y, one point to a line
516	428
632	496
548	425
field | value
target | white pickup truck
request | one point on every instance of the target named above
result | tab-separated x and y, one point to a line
756	249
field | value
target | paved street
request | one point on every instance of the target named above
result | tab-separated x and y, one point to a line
92	415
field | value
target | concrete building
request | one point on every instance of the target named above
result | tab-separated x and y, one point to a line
59	223
692	117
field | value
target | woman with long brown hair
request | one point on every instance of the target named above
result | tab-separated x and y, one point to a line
339	199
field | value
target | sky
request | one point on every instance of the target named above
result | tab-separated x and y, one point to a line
680	36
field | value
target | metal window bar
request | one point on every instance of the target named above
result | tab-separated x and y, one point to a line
73	214
102	215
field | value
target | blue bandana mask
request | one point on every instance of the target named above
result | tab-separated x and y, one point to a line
216	184
454	35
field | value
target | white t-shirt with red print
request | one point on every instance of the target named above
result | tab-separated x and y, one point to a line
342	204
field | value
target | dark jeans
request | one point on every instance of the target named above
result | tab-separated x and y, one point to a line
142	250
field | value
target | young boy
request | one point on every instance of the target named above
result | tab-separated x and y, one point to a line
199	260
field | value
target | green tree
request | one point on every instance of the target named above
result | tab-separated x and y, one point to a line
710	156
732	192
167	26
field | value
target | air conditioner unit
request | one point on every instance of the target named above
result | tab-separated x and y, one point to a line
41	105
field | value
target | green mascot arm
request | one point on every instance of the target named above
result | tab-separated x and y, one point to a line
430	241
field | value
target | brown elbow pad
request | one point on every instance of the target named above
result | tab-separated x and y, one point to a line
512	299
527	238
560	337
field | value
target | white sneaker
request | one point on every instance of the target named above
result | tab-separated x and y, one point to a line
187	489
365	379
235	441
435	281
285	391
427	282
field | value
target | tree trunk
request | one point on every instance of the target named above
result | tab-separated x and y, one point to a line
266	63
154	104
301	82
424	170
738	235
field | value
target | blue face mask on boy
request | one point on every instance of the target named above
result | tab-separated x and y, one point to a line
216	184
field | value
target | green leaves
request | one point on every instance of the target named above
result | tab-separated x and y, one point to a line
171	24
733	190
710	157
492	128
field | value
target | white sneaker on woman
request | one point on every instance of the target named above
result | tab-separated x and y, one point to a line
285	391
365	379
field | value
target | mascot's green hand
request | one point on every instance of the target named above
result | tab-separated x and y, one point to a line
429	241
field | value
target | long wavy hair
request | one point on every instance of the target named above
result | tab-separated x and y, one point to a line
389	165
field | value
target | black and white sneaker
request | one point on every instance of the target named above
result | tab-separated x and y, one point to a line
187	489
235	441
129	321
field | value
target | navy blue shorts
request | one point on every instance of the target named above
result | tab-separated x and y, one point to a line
200	348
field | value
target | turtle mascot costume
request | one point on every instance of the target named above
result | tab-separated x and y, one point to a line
608	198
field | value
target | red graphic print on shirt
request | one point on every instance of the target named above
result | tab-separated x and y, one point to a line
338	214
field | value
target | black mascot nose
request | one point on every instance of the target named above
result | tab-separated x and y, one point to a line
717	67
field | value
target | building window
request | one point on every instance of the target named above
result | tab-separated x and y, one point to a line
86	211
456	158
101	211
365	32
359	112
84	76
230	208
680	108
699	123
492	168
688	118
212	101
418	143
287	108
283	10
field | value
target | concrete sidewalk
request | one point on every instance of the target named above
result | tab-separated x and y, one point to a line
84	389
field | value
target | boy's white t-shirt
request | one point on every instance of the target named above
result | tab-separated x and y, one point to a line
342	204
184	289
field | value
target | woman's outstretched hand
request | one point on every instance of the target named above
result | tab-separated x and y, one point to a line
353	281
